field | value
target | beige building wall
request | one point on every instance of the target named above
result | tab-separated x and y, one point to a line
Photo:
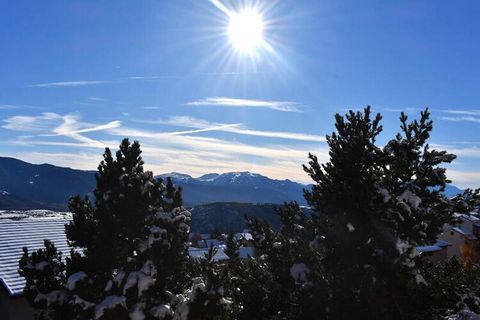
456	240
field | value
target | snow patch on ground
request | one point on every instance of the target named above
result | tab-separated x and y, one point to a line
27	214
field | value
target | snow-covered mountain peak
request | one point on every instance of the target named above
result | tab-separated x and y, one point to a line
237	178
176	176
208	177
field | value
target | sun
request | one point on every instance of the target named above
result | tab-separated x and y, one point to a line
245	30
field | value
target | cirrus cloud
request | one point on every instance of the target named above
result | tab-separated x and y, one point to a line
235	128
78	83
284	106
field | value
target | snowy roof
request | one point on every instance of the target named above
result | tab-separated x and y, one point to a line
203	236
28	232
246	252
213	242
199	253
244	235
472	217
442	243
432	248
467	235
439	245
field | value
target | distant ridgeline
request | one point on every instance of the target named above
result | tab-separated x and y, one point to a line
223	216
244	187
230	216
30	186
219	200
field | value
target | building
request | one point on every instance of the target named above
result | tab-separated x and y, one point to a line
436	252
463	237
16	233
200	253
244	238
246	252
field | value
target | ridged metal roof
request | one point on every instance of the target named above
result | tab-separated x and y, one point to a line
199	253
16	234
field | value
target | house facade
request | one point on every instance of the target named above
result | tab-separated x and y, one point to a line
463	238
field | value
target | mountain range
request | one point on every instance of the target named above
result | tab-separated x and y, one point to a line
43	186
244	187
30	186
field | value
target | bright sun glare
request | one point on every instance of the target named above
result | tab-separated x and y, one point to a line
245	30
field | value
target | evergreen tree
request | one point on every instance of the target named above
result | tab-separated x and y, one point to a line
454	288
286	275
355	254
352	255
216	233
231	249
206	298
130	255
373	206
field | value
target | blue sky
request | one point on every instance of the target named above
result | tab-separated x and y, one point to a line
77	76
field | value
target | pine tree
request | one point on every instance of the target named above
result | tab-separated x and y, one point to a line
374	205
355	254
216	233
206	298
454	288
278	284
130	255
231	249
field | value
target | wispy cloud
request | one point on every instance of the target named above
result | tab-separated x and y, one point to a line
464	179
161	77
285	106
408	110
152	77
462	119
458	115
459	150
182	142
32	123
67	128
68	83
80	83
236	128
463	112
166	151
95	99
197	155
51	124
8	106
